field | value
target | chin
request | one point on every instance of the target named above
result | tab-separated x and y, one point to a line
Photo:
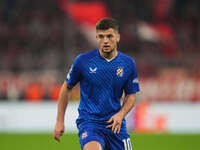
107	50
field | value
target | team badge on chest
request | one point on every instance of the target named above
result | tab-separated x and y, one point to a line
120	72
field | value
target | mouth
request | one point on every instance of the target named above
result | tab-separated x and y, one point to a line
106	46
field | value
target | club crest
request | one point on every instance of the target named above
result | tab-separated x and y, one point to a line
119	72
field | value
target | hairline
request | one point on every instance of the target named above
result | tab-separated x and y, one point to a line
115	30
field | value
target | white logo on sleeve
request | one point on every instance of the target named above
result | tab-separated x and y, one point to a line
93	70
135	80
68	75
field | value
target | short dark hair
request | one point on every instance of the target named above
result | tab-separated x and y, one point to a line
107	23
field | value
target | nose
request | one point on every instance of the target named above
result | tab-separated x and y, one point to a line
105	39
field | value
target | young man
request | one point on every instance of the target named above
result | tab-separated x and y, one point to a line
104	74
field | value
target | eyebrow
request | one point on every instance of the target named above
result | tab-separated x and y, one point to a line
107	35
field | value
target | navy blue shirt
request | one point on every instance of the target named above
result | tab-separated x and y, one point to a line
102	84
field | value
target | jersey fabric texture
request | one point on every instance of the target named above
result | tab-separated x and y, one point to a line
102	84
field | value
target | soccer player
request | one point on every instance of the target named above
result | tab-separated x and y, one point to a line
104	74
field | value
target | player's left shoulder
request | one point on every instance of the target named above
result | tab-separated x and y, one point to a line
127	59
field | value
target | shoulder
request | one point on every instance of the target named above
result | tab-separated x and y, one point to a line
127	59
86	56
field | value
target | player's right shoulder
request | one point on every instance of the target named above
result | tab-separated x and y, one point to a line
84	57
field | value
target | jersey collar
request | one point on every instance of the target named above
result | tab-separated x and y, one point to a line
108	60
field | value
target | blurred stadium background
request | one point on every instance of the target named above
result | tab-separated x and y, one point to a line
40	38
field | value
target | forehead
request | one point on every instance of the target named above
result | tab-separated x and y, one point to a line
108	31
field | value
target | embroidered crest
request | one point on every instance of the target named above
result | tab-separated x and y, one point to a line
119	72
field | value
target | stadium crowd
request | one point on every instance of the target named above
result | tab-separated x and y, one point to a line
38	42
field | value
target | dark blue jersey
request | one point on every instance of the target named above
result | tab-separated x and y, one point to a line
102	84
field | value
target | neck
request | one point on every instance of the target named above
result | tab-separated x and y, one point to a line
108	55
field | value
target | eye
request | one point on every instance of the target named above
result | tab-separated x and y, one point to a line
109	36
101	36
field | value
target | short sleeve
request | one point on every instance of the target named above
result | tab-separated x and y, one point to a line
132	85
74	74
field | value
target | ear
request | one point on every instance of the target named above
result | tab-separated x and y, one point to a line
118	37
